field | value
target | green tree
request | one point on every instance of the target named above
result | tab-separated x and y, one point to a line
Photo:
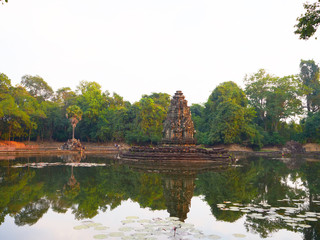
37	87
13	119
228	117
308	22
93	103
30	106
74	114
311	127
309	74
152	113
65	97
274	99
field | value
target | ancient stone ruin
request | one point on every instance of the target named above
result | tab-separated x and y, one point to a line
178	128
178	141
293	147
73	145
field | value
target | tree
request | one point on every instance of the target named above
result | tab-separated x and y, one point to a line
30	106
65	97
273	98
146	118
37	87
227	115
93	103
13	118
308	22
309	74
74	114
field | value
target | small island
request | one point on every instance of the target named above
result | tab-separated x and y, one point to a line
178	141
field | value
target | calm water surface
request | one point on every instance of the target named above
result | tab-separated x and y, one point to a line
72	198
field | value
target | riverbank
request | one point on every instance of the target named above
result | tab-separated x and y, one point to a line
49	148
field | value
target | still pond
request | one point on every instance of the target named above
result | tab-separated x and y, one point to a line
62	197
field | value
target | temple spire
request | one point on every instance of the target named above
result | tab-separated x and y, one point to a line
178	128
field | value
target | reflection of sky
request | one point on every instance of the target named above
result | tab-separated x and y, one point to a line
54	226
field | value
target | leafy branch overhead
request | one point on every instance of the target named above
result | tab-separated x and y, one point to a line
308	22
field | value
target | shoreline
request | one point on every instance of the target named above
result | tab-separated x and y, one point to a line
52	148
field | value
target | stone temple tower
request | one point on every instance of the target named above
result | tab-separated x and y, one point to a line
178	128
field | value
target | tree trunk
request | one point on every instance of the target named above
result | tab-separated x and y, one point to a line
29	135
73	127
9	133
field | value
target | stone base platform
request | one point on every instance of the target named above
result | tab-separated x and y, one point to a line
179	153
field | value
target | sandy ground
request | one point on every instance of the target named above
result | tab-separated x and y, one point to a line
310	147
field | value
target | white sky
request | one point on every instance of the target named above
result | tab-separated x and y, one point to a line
135	47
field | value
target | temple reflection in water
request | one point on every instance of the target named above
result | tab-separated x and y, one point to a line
178	181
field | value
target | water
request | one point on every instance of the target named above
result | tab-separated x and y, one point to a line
69	198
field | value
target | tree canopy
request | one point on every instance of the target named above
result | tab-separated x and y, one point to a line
308	22
265	112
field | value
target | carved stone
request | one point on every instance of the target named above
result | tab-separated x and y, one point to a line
178	128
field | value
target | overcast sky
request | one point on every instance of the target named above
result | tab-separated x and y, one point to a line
135	47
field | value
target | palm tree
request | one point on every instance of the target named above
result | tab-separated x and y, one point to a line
74	114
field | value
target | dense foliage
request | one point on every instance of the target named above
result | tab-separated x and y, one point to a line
266	112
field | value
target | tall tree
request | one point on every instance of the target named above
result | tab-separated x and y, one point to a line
65	97
37	87
309	74
13	119
74	114
228	116
93	103
30	106
274	99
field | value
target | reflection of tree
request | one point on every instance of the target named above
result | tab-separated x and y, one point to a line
151	192
13	190
72	188
264	227
310	175
258	181
27	194
231	185
32	212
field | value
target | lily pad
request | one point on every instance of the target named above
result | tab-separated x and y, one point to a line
304	225
172	219
239	235
312	219
132	217
79	227
213	236
100	236
292	224
125	229
144	221
245	211
140	234
116	234
101	228
93	224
